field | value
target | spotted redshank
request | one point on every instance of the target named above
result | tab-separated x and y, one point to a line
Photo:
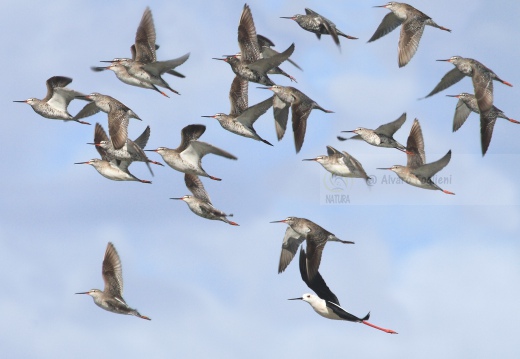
301	106
131	151
417	172
111	298
240	121
112	171
301	229
319	25
341	164
200	203
143	67
413	22
265	49
467	103
482	78
381	136
187	157
54	105
249	64
101	103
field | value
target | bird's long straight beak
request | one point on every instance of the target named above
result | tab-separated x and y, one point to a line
98	69
287	17
177	198
447	60
300	298
86	97
380	5
282	221
81	163
383	168
24	101
353	131
111	61
216	58
151	150
82	293
309	159
457	96
264	88
208	116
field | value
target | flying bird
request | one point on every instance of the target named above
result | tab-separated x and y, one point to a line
341	164
200	203
267	51
109	169
413	22
54	104
299	230
417	172
320	25
468	103
101	102
301	106
249	63
381	136
481	76
143	69
187	157
111	298
131	150
240	121
325	303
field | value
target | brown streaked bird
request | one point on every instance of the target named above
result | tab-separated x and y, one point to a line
122	74
301	106
417	172
132	49
108	166
101	102
187	157
266	51
413	22
341	164
111	298
200	203
131	151
464	67
143	69
109	169
301	229
325	303
481	76
319	25
468	103
381	136
54	104
249	64
240	121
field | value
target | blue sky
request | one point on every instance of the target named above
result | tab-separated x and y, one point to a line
441	270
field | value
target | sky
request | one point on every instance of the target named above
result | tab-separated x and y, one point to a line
443	271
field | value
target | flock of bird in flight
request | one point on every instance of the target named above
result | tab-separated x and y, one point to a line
255	61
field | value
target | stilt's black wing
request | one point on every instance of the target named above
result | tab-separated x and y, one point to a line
317	284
